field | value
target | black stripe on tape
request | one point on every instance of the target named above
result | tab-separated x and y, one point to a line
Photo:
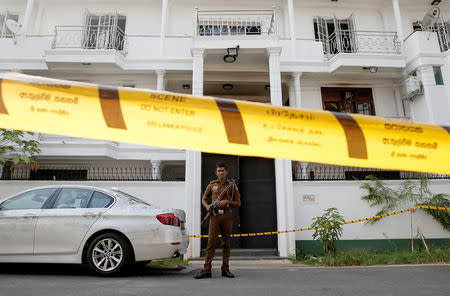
232	120
110	103
3	109
447	128
356	143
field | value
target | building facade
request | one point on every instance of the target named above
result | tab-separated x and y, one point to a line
373	57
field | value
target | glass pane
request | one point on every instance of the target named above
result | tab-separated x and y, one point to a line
100	200
73	198
29	200
438	75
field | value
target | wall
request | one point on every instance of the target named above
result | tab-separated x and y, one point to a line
159	194
346	197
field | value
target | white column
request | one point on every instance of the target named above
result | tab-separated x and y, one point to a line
162	41
398	102
275	76
27	17
160	80
297	90
426	75
283	168
156	169
197	71
194	166
398	20
292	27
291	94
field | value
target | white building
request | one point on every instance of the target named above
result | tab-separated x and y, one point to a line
360	56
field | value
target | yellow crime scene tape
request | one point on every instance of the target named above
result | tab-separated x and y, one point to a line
344	223
219	125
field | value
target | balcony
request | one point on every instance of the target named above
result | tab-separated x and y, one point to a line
235	22
372	42
90	38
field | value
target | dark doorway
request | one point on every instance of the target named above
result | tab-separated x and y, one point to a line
255	178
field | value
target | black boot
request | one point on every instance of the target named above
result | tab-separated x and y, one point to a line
203	275
227	273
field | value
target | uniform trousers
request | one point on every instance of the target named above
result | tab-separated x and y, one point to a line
222	223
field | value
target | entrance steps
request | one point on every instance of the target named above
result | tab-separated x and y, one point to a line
244	254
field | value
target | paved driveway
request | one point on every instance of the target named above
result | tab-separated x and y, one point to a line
67	280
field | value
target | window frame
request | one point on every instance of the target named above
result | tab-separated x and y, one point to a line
369	99
44	205
107	206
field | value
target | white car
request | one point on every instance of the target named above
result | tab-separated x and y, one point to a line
106	229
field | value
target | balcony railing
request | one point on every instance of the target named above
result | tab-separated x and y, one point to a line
321	172
348	41
90	37
235	22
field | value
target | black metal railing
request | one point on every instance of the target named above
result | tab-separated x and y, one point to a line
320	172
88	174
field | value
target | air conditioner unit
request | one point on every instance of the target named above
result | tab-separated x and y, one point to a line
411	87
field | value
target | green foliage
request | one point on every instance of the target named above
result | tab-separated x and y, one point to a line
328	229
346	258
168	262
410	192
16	148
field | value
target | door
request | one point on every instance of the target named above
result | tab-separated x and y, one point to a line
60	229
255	178
258	211
18	216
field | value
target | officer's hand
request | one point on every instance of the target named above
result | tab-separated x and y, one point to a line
208	208
223	203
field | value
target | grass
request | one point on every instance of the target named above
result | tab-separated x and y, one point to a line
346	258
168	262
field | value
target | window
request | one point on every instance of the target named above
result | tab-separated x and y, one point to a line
73	198
4	31
104	31
100	200
34	199
337	35
438	75
348	100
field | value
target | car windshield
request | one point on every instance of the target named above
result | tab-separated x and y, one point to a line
133	198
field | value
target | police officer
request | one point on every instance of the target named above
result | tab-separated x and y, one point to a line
221	221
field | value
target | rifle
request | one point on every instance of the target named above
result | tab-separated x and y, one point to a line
215	204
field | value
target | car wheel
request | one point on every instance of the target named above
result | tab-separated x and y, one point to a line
108	254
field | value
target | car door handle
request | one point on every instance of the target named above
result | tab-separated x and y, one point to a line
90	215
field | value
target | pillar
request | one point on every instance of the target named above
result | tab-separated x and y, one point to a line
283	167
162	40
292	27
194	166
160	80
398	20
156	170
26	19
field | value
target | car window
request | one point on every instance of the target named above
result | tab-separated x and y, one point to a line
34	199
72	198
100	200
133	198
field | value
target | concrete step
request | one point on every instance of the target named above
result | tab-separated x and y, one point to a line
246	254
